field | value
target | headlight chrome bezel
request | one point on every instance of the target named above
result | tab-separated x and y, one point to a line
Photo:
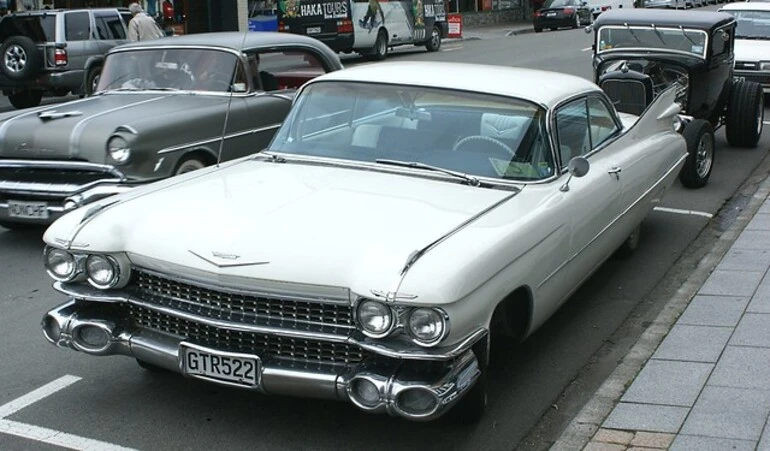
75	262
392	318
441	319
763	65
119	262
119	149
400	324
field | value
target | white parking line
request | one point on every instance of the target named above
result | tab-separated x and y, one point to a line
766	122
451	49
684	212
586	49
46	435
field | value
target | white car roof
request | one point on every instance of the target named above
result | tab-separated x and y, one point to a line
746	6
542	87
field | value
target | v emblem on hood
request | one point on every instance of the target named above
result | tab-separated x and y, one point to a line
225	260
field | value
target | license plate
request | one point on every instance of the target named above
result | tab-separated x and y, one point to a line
27	210
550	14
739	79
313	30
228	367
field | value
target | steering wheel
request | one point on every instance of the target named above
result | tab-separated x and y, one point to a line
486	139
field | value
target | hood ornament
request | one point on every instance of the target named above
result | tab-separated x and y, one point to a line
225	260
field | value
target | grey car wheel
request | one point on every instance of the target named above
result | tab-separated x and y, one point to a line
92	80
189	165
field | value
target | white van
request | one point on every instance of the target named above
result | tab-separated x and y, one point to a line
598	6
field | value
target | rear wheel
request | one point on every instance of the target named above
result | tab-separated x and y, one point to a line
20	58
434	44
696	171
576	24
538	29
25	98
380	49
745	114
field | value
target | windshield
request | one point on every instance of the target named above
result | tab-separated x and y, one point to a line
475	134
184	69
692	42
752	24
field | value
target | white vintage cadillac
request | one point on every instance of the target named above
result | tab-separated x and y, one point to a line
397	227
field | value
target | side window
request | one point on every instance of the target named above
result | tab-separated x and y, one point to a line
77	26
126	16
286	69
572	130
109	26
720	42
602	122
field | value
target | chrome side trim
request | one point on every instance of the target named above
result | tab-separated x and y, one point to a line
218	138
429	354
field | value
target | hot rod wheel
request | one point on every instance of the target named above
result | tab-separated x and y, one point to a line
745	114
700	153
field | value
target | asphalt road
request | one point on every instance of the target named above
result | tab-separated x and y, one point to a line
534	392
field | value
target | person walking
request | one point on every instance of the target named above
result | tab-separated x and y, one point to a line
142	27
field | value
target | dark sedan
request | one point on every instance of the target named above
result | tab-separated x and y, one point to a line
562	13
161	108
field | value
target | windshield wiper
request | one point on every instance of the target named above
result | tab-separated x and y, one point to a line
631	31
659	34
473	181
681	28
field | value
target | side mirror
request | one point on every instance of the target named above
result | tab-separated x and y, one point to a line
578	167
588	29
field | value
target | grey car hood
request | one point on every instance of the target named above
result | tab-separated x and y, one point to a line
80	129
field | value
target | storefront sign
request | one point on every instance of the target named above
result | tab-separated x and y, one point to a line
455	22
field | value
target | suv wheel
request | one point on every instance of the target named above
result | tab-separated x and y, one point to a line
20	58
25	98
745	114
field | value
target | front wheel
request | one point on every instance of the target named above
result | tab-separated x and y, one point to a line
25	98
434	44
745	114
189	165
696	171
92	80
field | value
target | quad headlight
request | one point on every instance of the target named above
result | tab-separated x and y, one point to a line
119	149
426	325
60	264
103	271
375	318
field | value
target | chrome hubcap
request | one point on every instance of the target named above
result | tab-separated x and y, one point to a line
15	58
704	155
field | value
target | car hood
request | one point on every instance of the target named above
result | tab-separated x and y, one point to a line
79	129
296	223
752	50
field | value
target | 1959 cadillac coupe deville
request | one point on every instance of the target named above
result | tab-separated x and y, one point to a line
159	110
395	229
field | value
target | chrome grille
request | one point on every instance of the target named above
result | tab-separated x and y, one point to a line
54	176
296	349
629	96
240	307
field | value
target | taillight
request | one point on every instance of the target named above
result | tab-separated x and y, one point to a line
538	14
605	8
345	26
568	10
60	57
283	27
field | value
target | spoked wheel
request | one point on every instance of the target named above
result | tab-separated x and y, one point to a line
696	171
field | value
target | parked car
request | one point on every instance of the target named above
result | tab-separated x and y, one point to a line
395	230
56	51
599	6
639	53
561	13
752	41
676	4
160	109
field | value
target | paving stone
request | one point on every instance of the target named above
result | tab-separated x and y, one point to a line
646	417
753	331
642	448
599	446
613	436
753	239
764	442
715	310
732	283
726	412
742	367
668	382
760	221
760	302
765	208
694	343
696	443
745	260
653	439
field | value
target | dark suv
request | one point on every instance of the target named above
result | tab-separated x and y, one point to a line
56	52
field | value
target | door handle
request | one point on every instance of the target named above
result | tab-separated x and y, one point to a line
615	171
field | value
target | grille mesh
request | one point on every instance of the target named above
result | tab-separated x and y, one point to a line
296	349
629	96
52	176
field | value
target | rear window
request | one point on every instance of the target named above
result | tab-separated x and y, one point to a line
40	28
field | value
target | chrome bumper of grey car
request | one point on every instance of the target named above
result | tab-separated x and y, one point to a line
380	385
60	196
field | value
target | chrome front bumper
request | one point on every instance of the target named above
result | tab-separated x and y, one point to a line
60	196
444	385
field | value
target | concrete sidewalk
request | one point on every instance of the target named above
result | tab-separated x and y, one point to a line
699	376
470	33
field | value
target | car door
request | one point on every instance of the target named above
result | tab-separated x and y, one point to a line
110	30
78	34
592	201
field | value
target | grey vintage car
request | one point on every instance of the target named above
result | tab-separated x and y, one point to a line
161	108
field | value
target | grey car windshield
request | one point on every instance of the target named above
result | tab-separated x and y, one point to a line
680	40
169	69
476	134
752	24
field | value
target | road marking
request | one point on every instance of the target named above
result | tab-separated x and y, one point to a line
46	435
684	212
451	49
586	49
766	122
